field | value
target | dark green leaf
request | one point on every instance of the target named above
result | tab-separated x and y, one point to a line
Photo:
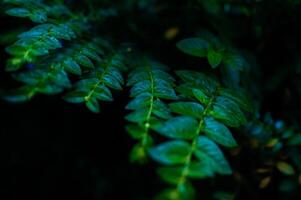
138	116
228	112
219	133
187	108
194	46
161	110
170	153
135	131
71	66
75	97
18	12
141	101
214	58
209	150
182	127
93	105
201	96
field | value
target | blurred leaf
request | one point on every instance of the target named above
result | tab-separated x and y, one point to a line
172	152
285	168
194	47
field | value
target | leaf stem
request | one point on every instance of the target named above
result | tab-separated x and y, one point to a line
188	161
144	139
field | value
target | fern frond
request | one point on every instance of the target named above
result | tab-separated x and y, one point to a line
45	80
203	116
50	74
36	10
95	85
38	41
51	52
57	24
150	85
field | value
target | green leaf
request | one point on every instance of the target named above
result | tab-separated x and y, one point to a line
49	89
135	131
87	83
39	16
18	12
20	95
51	43
234	61
71	66
83	60
194	46
182	127
93	105
199	81
60	78
139	153
43	51
201	96
219	133
238	96
91	54
140	87
207	149
170	153
185	192
228	112
138	116
112	82
164	90
214	58
102	93
187	108
200	170
160	110
15	50
141	101
171	175
115	72
152	80
75	97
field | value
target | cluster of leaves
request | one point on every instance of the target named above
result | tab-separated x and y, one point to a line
150	85
204	111
193	123
279	148
95	85
209	46
219	54
51	54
